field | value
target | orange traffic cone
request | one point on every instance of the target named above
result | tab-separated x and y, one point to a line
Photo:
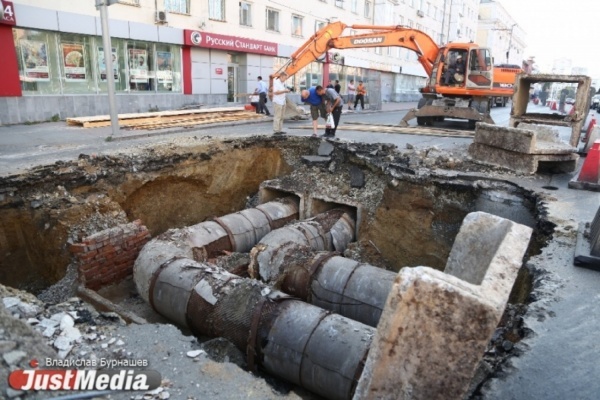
588	131
553	106
588	177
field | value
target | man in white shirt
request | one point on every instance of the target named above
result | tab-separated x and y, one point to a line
351	93
279	91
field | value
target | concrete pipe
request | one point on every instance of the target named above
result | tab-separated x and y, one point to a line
296	341
234	232
332	230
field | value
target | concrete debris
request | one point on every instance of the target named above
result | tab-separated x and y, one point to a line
195	353
10	302
325	148
357	177
13	357
316	160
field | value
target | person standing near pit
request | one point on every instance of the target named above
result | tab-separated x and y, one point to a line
361	91
337	86
279	91
333	104
261	90
351	94
317	106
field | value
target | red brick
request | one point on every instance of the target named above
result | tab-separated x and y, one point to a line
87	256
77	248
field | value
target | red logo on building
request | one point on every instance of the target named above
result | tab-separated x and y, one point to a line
7	13
232	43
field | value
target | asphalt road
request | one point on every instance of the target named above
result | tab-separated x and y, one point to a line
559	358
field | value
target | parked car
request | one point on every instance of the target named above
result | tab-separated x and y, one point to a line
570	100
595	102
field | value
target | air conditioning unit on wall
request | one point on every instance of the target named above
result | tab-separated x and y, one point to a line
161	17
420	13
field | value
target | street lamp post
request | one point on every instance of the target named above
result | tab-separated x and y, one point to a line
102	5
509	39
510	43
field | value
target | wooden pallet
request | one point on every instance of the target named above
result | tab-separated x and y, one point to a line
425	131
156	119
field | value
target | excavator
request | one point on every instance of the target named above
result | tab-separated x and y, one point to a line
448	94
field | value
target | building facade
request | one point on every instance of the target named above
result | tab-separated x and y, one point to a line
168	54
501	33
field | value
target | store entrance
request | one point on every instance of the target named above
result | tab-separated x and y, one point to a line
232	83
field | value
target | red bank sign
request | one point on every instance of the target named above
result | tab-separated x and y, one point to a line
224	42
7	13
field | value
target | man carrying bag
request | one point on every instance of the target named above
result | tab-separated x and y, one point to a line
333	105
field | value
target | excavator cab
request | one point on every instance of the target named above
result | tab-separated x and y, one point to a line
480	70
464	67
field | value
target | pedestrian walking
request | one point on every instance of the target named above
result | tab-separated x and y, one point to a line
261	90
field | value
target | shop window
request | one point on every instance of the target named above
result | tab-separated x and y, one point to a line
140	61
216	10
38	61
76	64
296	25
168	67
272	20
245	13
64	63
178	6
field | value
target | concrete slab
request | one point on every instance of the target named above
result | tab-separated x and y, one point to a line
520	162
435	325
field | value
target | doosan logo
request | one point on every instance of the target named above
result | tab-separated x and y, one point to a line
196	37
371	40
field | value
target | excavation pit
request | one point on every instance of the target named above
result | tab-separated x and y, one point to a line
402	219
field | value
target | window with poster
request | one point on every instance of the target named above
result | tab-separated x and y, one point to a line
140	61
168	67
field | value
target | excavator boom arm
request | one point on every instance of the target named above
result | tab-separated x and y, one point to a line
397	36
330	37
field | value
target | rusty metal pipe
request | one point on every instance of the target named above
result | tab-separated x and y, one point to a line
332	230
296	341
325	279
233	232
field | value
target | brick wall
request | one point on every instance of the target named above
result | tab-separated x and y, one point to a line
107	257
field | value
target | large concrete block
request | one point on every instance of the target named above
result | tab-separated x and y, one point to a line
435	326
513	139
520	162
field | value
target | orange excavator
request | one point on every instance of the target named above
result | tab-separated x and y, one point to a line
450	93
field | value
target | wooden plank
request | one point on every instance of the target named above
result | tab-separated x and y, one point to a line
237	114
97	118
399	130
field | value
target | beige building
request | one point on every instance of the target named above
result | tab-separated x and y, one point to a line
171	53
501	33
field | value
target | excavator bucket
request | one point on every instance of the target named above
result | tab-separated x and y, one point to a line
293	111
